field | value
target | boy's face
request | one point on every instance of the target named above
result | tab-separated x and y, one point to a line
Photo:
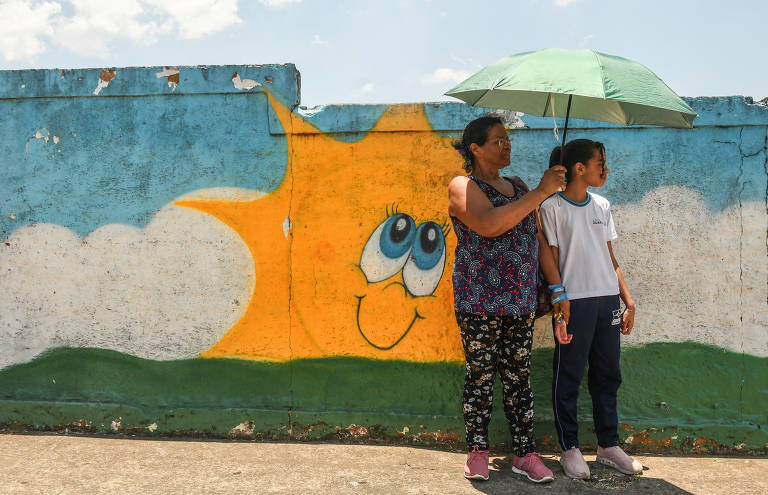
595	171
604	174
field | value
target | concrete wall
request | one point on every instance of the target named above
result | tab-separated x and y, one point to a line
159	222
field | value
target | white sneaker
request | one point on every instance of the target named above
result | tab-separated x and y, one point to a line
618	459
573	464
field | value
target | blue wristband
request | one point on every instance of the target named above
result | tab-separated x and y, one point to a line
559	298
554	288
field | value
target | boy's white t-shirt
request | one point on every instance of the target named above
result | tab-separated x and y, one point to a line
581	232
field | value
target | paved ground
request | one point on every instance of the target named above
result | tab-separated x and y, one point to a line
86	464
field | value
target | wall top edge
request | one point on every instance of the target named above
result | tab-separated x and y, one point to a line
151	81
283	80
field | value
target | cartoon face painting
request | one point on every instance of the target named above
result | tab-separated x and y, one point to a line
351	251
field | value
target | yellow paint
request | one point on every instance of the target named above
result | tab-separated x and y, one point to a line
309	285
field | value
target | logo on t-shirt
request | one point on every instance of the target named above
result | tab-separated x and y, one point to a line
597	221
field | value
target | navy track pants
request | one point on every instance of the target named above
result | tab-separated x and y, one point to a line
595	323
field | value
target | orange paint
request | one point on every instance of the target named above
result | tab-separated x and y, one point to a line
311	296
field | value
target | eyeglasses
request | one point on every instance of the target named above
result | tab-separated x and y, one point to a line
502	142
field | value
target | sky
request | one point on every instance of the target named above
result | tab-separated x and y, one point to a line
396	51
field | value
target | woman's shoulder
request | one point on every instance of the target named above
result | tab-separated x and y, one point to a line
460	180
518	182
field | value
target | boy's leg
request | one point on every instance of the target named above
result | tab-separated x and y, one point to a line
514	371
604	371
568	368
479	336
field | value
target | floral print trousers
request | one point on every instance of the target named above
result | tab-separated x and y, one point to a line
497	344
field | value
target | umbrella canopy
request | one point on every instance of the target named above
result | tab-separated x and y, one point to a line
581	84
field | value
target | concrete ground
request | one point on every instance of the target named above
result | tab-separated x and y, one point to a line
39	463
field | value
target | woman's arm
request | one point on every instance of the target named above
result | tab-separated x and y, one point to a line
628	318
470	205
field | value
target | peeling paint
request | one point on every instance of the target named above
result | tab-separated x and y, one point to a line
39	135
246	84
172	73
104	78
243	429
354	430
287	226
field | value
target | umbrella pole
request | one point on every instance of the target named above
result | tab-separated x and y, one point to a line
567	114
565	131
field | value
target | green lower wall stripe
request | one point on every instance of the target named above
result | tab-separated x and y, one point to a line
681	395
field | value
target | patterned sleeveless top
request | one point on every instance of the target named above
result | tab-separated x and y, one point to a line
497	275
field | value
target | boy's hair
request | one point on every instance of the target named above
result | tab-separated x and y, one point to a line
577	150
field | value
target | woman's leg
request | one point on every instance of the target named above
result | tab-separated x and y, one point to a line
514	370
479	336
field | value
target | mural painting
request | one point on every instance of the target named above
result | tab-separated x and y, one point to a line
187	249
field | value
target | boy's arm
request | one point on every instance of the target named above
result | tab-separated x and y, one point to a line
628	318
549	266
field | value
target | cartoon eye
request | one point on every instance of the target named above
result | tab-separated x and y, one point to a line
424	268
387	249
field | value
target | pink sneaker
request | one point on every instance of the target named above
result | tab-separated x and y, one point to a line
476	467
532	467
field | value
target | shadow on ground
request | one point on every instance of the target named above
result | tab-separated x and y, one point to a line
603	479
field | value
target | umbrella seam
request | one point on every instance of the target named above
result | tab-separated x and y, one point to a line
602	85
602	72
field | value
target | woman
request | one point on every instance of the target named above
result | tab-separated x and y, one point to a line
495	273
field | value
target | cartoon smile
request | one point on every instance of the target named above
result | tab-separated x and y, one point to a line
416	316
398	248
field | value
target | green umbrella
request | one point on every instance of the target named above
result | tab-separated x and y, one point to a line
582	84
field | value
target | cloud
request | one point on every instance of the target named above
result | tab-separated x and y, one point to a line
317	41
278	3
22	37
565	3
585	40
198	18
168	291
443	76
94	24
367	88
691	290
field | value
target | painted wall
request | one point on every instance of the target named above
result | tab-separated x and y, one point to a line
187	249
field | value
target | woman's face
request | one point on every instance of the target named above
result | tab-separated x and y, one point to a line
495	152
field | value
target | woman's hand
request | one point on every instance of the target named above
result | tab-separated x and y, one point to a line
552	181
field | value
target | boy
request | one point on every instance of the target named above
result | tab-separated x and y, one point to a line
579	229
